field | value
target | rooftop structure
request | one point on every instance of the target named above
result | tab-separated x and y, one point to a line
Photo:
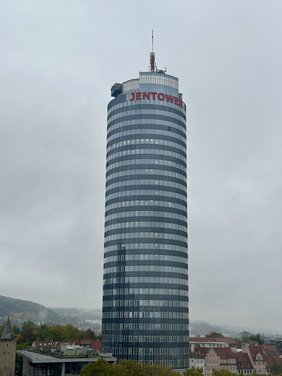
37	364
7	331
212	342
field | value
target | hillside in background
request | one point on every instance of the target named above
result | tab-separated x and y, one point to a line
80	313
20	311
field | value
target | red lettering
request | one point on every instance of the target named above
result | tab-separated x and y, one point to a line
161	96
169	98
146	95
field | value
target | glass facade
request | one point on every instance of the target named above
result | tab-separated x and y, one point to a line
145	292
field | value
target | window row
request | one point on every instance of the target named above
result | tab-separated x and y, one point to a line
145	268
139	189
165	110
143	326
147	246
146	257
138	225
143	122
141	132
148	233
129	280
132	216
144	161
134	110
141	125
146	141
143	152
145	315
126	195
145	169
150	339
136	203
161	79
147	173
145	235
176	351
145	149
145	291
146	182
144	303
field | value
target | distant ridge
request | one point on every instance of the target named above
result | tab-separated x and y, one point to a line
20	311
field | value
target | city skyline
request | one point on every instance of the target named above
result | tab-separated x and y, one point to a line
58	61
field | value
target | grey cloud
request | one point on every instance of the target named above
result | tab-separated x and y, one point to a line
58	62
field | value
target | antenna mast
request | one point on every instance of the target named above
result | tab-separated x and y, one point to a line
152	56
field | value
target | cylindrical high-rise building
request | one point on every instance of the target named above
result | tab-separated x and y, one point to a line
145	294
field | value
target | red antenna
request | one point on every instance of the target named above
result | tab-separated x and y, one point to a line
152	56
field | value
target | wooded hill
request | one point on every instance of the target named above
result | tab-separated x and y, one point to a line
20	311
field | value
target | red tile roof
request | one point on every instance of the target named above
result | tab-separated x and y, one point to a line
94	344
228	340
243	361
225	353
199	353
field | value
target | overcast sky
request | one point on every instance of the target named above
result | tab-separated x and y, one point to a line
58	60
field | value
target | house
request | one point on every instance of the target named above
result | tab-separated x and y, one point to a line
244	364
89	342
212	342
45	346
197	358
220	358
262	357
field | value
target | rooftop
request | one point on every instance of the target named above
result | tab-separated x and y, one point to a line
35	357
7	331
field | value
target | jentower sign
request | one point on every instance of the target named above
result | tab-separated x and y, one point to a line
151	95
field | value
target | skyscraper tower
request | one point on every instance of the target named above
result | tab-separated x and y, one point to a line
145	293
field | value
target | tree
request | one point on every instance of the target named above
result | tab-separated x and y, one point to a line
214	334
276	370
126	368
222	372
249	337
131	368
157	370
99	368
259	338
29	332
193	372
89	333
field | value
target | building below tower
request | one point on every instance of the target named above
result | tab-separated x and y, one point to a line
145	292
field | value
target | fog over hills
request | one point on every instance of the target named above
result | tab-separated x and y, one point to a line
21	311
